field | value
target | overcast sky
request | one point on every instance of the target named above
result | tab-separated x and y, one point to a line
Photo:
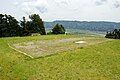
50	10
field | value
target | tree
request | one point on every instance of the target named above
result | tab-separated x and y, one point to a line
9	26
25	27
58	29
36	24
115	34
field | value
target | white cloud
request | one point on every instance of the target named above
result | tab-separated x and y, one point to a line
100	2
117	4
29	6
112	3
62	2
16	3
42	6
71	9
26	7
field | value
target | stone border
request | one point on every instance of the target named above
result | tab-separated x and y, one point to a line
20	51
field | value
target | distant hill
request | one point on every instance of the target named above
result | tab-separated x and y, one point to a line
101	26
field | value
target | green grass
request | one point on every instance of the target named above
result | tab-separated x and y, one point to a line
96	62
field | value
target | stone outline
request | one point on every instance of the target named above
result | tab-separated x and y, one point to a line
20	51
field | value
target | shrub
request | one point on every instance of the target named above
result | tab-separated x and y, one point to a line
58	29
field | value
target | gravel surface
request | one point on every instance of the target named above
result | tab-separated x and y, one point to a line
48	47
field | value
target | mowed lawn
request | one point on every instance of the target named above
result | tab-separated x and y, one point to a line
94	62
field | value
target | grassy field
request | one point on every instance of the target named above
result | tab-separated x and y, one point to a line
94	62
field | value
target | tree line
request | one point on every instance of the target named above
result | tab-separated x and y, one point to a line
9	26
114	34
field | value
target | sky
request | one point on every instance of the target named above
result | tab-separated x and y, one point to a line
50	10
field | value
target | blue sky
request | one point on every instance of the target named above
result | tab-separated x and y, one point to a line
50	10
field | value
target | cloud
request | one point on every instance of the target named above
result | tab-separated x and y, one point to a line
100	2
26	7
29	6
16	3
41	6
113	3
62	2
116	4
41	9
63	9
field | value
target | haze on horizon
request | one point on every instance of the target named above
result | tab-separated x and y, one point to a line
50	10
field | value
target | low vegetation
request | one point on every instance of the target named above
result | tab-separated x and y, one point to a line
95	62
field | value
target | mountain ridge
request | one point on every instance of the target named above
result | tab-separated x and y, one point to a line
102	26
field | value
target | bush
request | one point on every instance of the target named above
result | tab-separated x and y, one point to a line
58	29
50	33
115	34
